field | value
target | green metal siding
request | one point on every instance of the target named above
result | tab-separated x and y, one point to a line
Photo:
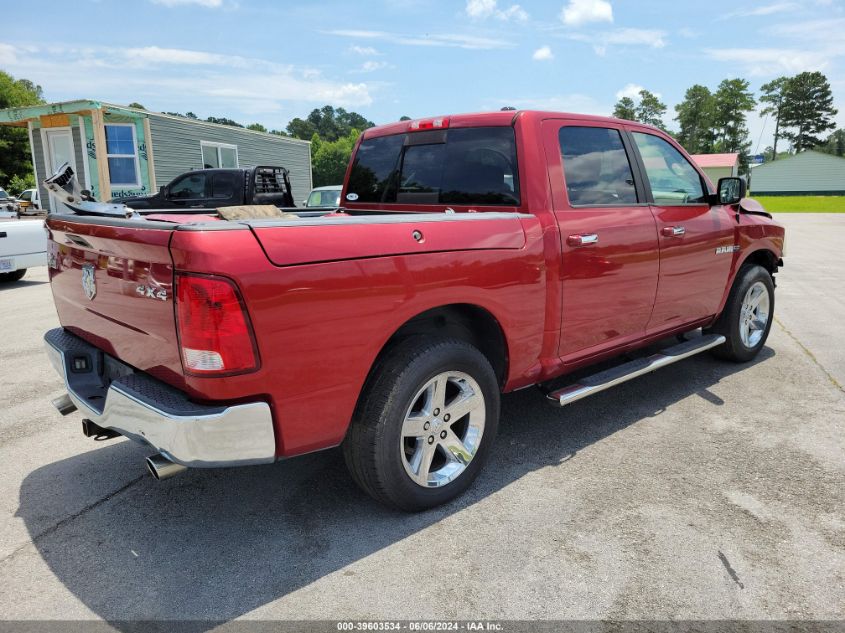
807	172
38	152
176	149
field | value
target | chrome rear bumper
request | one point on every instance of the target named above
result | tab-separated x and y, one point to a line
147	410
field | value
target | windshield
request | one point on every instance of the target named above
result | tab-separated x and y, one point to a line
26	195
3	194
471	166
325	198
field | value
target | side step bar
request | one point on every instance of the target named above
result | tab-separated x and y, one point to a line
625	372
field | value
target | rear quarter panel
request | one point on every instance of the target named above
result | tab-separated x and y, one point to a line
320	326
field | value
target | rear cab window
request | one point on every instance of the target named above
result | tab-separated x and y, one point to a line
474	166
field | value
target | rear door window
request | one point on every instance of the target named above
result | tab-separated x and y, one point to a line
596	167
463	166
223	185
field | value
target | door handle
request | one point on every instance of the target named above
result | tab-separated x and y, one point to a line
673	231
584	239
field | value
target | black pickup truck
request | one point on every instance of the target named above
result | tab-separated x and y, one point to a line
213	188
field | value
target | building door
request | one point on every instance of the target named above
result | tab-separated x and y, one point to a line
58	150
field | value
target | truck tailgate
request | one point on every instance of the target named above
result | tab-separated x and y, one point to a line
113	287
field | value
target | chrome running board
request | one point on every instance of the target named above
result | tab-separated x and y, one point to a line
625	372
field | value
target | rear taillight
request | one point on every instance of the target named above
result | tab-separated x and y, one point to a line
215	334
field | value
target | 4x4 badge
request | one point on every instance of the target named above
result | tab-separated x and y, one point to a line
89	284
151	293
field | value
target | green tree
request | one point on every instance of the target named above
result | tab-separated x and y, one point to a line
329	123
404	118
256	127
15	155
732	101
650	110
695	118
774	94
835	144
329	159
136	105
808	110
20	183
223	121
625	108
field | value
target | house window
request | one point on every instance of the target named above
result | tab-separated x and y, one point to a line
216	155
122	154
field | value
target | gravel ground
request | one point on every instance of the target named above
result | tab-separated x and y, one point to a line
706	491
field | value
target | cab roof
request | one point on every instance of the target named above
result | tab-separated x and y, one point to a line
501	118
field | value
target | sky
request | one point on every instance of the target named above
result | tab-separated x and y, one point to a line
267	62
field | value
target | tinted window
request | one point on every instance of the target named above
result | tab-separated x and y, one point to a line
223	186
375	163
673	180
190	186
457	166
26	195
3	194
596	167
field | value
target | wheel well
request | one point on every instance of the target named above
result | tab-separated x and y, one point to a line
764	258
470	323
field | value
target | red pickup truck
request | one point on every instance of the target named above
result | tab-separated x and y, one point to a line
474	255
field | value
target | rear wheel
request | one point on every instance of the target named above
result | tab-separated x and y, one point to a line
425	423
747	317
15	275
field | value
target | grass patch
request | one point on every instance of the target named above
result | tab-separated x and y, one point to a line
802	204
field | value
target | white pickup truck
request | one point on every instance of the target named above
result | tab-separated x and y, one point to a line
23	244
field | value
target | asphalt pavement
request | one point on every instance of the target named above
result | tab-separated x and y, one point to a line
708	490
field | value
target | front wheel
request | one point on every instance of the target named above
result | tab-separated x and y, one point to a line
747	318
425	423
15	275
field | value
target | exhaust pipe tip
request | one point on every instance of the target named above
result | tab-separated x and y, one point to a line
162	468
64	405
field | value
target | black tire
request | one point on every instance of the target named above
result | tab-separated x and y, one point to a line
373	448
730	321
15	275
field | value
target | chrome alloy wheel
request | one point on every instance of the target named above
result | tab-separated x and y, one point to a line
754	314
442	429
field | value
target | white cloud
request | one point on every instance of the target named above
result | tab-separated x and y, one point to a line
366	51
622	37
632	91
442	40
209	4
7	54
766	9
544	53
220	85
770	61
578	103
483	9
157	55
579	12
372	66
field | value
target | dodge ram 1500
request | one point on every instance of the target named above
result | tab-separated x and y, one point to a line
473	255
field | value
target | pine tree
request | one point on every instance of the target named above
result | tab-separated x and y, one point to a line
695	118
774	94
650	109
732	100
808	109
625	108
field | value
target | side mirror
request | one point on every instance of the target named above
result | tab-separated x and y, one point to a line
731	190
